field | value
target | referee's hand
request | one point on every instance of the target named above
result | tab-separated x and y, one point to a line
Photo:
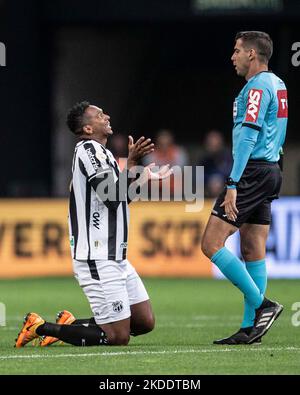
230	204
139	149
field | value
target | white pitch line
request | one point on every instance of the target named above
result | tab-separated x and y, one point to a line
164	352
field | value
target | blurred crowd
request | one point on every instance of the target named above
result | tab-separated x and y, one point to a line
212	153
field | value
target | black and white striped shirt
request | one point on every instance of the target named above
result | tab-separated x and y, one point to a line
98	228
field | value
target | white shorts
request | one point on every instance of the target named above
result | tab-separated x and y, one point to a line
111	288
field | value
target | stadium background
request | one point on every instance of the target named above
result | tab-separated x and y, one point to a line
150	65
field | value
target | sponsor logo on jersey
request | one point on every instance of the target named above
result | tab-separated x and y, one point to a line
253	104
123	245
282	103
92	158
117	306
96	220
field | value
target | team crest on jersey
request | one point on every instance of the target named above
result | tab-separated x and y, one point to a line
253	104
117	306
100	155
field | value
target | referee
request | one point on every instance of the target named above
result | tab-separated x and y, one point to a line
260	115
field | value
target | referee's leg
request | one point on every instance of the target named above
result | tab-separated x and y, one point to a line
215	235
213	246
253	241
253	248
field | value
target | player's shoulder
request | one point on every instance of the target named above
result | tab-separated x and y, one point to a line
91	150
91	146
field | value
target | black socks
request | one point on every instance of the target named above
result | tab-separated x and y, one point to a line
78	335
85	321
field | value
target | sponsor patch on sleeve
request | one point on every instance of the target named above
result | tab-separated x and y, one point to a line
282	104
253	105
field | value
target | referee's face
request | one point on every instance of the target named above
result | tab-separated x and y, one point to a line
98	122
240	58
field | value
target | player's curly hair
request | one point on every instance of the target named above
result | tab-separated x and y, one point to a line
261	41
75	117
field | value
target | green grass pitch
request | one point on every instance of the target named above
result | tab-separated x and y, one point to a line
190	314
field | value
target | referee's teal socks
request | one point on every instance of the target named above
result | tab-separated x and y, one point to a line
234	269
258	272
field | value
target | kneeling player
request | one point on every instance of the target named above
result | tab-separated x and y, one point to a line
98	224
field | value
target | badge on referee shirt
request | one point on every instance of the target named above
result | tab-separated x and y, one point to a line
234	109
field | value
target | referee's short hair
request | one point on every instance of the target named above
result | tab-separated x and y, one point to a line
260	41
75	117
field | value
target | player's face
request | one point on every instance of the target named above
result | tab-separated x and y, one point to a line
98	120
240	58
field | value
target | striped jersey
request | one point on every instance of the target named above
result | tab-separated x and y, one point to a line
97	231
262	105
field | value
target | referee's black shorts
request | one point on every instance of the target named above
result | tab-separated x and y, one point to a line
258	186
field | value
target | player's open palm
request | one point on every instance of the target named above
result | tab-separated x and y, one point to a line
138	149
152	172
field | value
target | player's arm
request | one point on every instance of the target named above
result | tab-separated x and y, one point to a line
148	174
100	172
137	151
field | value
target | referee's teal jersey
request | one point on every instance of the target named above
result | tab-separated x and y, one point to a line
262	105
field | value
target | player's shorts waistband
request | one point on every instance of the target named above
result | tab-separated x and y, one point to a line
260	162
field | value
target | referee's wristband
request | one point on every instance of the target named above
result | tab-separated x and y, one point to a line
230	183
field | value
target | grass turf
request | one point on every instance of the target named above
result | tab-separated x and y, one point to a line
189	313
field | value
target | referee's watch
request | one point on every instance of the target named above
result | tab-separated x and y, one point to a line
230	183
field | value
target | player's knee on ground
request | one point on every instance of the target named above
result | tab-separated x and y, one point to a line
149	324
146	326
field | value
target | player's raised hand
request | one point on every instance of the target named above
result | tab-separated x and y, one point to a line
139	149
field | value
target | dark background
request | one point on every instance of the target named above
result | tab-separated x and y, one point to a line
149	64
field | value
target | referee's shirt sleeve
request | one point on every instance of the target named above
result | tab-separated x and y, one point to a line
257	98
